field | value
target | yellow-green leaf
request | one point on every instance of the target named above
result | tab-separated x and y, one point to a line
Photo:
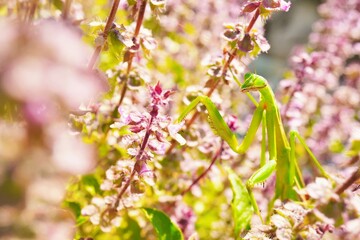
241	204
164	227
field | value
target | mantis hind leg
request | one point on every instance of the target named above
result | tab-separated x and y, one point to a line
295	170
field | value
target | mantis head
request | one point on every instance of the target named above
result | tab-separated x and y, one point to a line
253	82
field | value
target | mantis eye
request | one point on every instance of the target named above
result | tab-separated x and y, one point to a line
248	75
253	82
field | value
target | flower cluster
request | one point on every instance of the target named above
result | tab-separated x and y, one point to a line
146	138
286	224
246	42
42	79
266	7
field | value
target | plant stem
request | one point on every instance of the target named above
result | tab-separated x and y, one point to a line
97	52
66	9
253	20
94	57
353	178
140	18
131	57
127	184
215	157
33	6
107	28
136	165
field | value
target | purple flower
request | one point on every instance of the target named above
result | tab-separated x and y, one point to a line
232	122
267	6
158	96
276	5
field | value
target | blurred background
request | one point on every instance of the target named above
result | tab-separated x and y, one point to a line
285	30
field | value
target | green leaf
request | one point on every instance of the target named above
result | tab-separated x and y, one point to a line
176	69
58	4
116	45
164	227
81	220
336	146
354	148
131	2
74	206
91	184
241	204
129	229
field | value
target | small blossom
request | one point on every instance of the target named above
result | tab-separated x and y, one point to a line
276	5
233	33
321	190
159	96
250	7
232	122
173	130
185	218
352	228
280	221
246	44
262	42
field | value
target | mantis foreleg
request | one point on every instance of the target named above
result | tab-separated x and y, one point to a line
220	127
260	176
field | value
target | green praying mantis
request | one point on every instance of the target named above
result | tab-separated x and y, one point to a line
281	149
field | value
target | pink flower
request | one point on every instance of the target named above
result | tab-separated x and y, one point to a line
276	5
160	97
71	155
267	5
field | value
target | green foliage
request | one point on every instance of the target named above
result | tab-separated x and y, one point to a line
164	227
116	45
354	148
130	229
91	184
58	4
241	205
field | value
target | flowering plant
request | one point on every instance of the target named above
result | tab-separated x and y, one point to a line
89	143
